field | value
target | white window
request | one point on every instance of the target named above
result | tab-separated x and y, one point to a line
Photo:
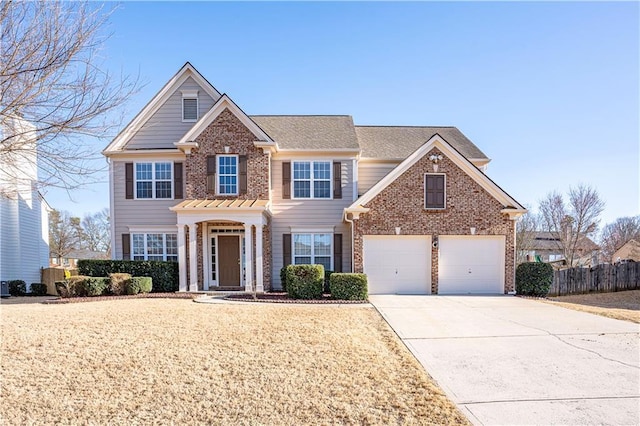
189	105
311	179
154	246
309	249
227	174
154	180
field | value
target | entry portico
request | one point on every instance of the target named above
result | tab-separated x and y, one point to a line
222	241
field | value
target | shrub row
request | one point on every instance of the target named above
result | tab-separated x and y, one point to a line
19	288
116	284
163	274
534	278
309	281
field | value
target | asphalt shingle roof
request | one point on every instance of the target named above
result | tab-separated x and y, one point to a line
398	142
316	132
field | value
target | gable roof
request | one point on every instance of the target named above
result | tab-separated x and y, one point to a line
157	101
223	103
398	142
310	132
512	207
544	240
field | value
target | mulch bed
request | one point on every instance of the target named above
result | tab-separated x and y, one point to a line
284	298
60	300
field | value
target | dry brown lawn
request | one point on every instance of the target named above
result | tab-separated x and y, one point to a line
177	362
623	305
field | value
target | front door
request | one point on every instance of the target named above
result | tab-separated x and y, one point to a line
229	260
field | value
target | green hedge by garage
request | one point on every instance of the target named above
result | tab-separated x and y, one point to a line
304	281
534	278
163	274
348	286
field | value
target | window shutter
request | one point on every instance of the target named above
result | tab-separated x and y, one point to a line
126	246
177	181
337	252
211	173
128	179
286	249
242	174
434	191
337	180
286	180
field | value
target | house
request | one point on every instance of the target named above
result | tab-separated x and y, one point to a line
71	259
546	247
234	197
628	251
24	213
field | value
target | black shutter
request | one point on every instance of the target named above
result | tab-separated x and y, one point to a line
128	179
286	180
434	192
337	252
242	174
337	180
286	249
211	173
177	181
126	247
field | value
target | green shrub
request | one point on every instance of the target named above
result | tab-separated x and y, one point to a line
346	286
17	288
139	285
38	289
77	286
283	278
62	288
118	283
327	277
305	281
96	286
534	278
163	274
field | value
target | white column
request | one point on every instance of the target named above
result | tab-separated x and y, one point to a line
193	257
259	271
248	258
182	258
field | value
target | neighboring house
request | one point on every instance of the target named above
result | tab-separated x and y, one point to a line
628	251
71	259
233	198
545	247
24	213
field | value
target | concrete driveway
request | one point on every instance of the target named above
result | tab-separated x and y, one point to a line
506	360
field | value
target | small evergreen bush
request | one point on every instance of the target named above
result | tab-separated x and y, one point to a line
17	287
305	281
283	278
38	289
534	278
119	283
346	286
139	285
96	286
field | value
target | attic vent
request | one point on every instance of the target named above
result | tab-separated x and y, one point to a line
189	109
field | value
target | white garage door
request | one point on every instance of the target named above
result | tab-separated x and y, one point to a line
398	264
471	264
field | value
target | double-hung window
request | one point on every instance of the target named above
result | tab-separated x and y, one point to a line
154	246
154	180
227	175
311	179
309	249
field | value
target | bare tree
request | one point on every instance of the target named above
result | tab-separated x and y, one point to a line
53	78
64	234
572	223
615	235
96	234
526	228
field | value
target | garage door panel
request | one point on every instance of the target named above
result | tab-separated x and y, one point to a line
397	264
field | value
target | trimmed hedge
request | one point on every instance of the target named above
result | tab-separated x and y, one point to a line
17	288
139	285
38	289
305	281
283	278
118	283
534	278
347	286
163	274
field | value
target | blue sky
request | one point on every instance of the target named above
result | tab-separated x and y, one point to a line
549	91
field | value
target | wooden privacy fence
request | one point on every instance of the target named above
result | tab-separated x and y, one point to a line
51	275
598	279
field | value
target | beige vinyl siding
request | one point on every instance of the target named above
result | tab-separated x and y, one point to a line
309	214
370	173
139	213
165	126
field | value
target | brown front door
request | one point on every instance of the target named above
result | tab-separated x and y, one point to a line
229	260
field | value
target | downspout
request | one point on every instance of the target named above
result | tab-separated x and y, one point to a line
353	256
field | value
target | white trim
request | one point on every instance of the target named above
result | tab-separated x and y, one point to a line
190	120
158	101
156	154
312	180
313	254
145	246
354	195
218	175
112	229
154	180
458	159
189	94
424	191
319	230
152	229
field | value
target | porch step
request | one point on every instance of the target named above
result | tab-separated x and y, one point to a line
227	288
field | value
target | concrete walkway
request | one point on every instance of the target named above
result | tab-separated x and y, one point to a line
505	360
